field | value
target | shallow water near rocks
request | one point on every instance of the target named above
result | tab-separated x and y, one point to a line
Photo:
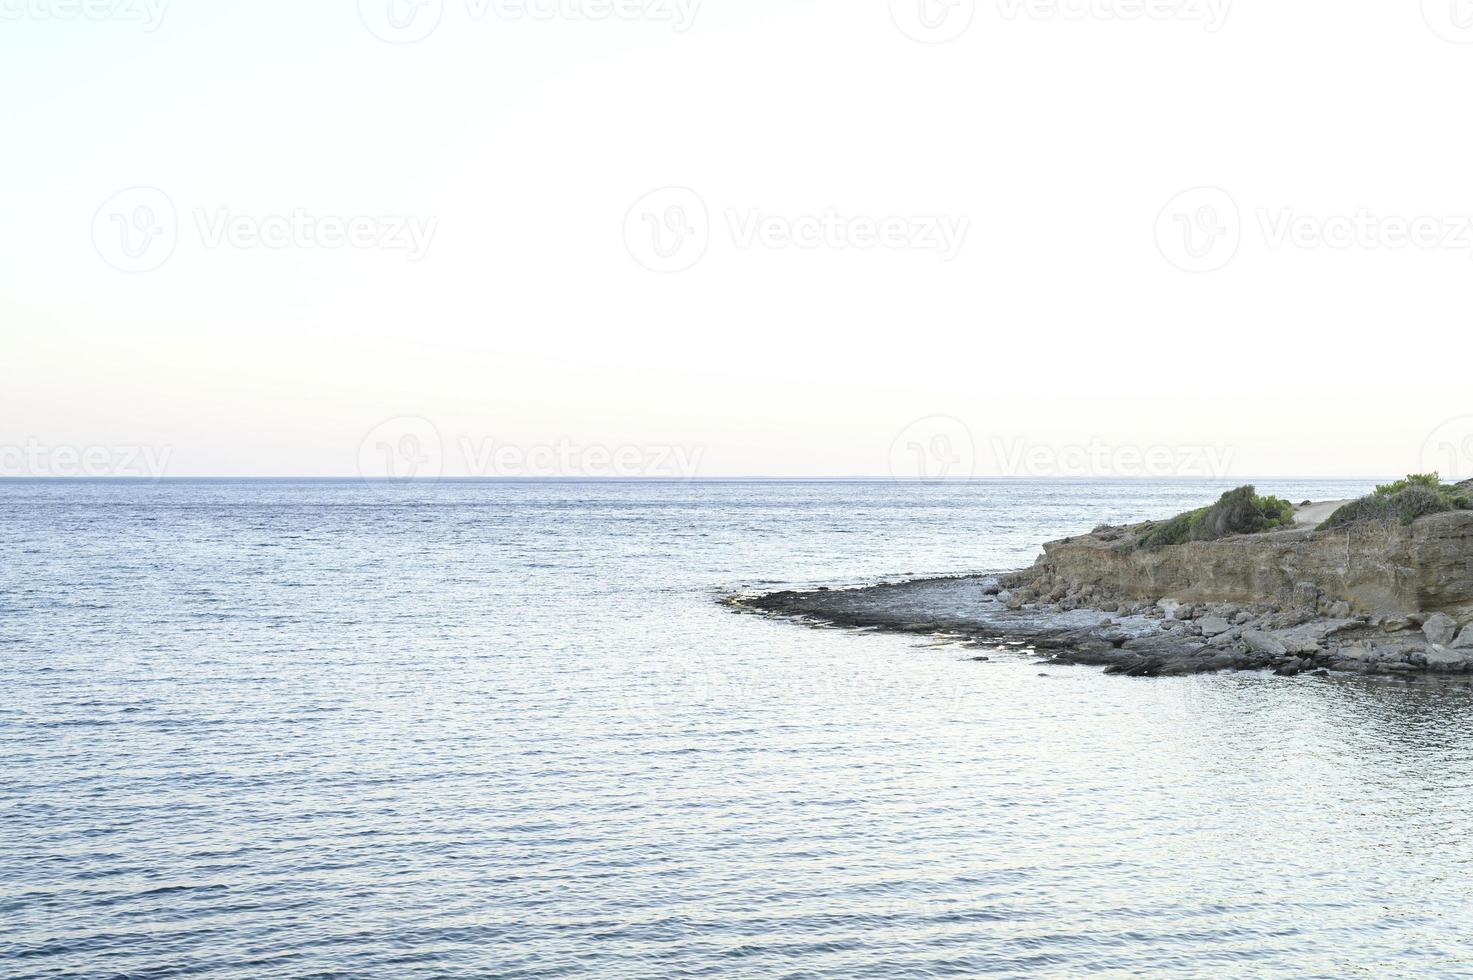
298	728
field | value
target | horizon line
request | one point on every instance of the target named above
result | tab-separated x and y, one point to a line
919	481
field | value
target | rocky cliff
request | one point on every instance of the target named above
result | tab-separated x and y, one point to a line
1371	569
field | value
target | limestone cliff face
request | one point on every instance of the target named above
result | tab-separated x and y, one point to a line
1377	570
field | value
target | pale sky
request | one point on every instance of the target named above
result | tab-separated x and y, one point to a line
736	237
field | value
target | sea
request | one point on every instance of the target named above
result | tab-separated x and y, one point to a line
507	729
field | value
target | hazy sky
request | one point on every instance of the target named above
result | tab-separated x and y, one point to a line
760	237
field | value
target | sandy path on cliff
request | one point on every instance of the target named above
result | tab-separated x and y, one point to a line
1316	514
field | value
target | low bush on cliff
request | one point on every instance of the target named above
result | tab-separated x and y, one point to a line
1240	511
1402	502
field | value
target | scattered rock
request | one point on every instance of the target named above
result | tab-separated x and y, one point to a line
1440	628
1446	661
1359	654
1304	639
1213	625
1264	643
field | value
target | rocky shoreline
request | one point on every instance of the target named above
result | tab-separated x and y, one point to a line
1395	601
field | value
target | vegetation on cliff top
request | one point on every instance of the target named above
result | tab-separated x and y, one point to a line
1240	511
1402	502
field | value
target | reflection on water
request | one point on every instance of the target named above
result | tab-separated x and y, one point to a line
298	729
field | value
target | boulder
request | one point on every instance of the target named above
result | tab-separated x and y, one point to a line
1465	639
1304	639
1440	658
1213	625
1306	596
1440	628
1264	643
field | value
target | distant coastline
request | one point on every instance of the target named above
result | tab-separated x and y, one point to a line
1381	585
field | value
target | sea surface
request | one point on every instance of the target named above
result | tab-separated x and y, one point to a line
311	729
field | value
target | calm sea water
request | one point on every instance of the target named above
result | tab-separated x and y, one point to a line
310	729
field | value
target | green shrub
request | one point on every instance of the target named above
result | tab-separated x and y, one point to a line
1402	502
1430	481
1239	511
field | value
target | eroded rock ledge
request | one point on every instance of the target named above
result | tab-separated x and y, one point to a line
1370	600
